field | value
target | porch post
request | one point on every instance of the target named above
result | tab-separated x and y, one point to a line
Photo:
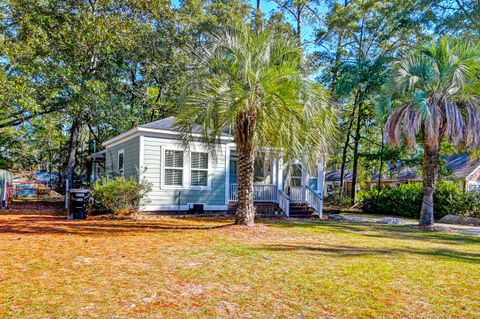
274	171
227	174
321	176
280	174
305	178
321	181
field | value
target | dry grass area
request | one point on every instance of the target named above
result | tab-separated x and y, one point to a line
206	268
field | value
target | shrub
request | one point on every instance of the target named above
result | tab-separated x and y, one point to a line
471	205
341	201
406	200
122	196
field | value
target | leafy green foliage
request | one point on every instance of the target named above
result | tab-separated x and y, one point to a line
406	200
337	200
121	195
240	72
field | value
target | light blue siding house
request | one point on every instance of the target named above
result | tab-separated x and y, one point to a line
186	178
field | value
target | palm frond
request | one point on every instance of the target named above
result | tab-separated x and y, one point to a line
433	94
239	71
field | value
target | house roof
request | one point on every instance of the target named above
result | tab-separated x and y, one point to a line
165	126
98	156
461	166
168	124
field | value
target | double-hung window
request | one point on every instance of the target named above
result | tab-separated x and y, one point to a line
173	168
199	169
121	164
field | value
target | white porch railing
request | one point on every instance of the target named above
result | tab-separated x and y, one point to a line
284	203
233	192
261	193
270	193
314	200
297	194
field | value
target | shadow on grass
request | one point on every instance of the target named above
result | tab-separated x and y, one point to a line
352	251
37	225
400	232
414	233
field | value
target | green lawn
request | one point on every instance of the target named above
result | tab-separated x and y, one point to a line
205	268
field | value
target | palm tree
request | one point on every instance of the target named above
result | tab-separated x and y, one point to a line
433	96
254	84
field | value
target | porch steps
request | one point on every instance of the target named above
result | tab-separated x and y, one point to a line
301	210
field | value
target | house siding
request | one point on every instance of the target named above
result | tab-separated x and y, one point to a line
164	198
131	149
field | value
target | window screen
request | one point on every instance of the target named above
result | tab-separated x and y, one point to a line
233	171
199	169
121	169
173	168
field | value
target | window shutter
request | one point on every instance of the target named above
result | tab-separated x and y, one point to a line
199	160
173	168
173	177
173	158
199	169
199	178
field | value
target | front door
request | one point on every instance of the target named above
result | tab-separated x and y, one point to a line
295	183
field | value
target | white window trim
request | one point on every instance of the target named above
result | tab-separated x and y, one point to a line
209	165
121	172
185	175
186	185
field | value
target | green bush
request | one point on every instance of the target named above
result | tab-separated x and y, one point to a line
471	205
122	196
341	201
406	200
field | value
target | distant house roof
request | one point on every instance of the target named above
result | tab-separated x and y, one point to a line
334	176
461	166
165	126
98	156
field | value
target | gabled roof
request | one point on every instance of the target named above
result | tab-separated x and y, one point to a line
98	156
164	126
168	124
461	166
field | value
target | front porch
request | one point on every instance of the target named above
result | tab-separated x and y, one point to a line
289	185
294	197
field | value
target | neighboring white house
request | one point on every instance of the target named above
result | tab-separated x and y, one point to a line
194	177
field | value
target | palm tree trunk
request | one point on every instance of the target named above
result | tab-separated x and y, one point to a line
431	161
244	133
245	210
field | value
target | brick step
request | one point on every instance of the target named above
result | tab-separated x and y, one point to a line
300	210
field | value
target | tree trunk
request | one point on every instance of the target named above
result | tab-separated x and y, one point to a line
382	147
299	24
72	149
345	151
258	18
356	141
244	134
431	159
245	208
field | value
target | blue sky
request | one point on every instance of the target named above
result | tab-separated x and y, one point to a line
267	6
308	32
